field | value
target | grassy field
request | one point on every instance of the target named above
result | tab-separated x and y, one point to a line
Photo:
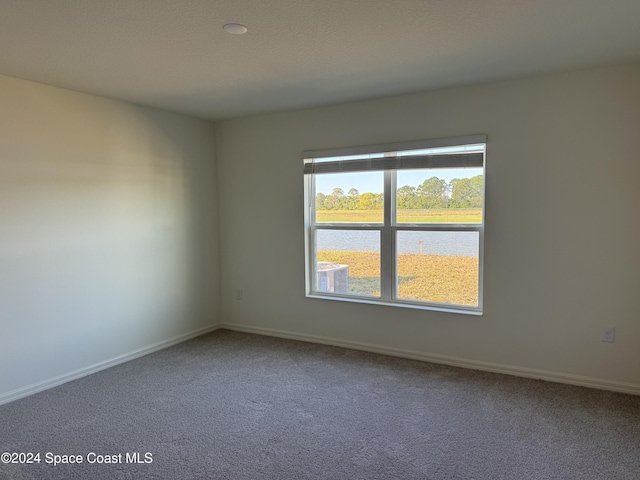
445	215
432	278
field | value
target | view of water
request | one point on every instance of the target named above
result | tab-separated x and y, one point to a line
435	243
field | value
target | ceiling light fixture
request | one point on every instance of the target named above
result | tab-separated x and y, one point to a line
235	28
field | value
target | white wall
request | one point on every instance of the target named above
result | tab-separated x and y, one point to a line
562	237
108	230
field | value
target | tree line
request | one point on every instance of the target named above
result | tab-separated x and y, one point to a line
433	193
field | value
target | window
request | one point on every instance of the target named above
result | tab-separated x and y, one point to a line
398	224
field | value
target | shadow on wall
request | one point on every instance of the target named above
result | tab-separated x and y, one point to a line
108	239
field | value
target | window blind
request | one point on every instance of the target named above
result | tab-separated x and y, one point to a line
458	152
405	162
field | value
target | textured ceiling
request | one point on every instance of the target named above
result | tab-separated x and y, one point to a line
174	55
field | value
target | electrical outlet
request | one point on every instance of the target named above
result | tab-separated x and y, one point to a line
238	294
609	334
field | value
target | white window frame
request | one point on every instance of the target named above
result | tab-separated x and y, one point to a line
388	230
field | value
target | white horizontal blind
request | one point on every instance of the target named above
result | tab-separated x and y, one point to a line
459	160
398	156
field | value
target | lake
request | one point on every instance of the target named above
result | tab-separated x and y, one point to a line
434	243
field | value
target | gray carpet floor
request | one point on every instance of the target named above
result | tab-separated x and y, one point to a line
231	405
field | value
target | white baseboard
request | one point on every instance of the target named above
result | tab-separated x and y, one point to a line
96	367
570	379
599	383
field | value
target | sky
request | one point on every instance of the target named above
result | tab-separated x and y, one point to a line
373	181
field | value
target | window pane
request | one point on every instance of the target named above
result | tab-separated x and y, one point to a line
448	195
438	267
350	197
348	262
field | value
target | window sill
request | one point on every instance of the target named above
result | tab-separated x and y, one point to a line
369	301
